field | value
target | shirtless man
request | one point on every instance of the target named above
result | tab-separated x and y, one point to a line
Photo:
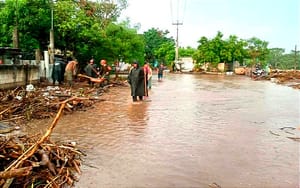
70	71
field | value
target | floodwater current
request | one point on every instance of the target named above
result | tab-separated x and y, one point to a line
193	131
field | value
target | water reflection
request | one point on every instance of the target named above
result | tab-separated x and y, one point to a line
138	117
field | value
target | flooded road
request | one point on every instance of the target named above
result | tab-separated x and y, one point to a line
193	131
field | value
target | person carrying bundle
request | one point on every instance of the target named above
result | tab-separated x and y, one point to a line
91	71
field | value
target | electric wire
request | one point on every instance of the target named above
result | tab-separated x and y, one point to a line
178	10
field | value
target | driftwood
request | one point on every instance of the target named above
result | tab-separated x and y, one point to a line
287	132
19	106
22	167
34	147
20	172
96	80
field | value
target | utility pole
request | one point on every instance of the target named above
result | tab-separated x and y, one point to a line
177	42
52	38
296	53
16	31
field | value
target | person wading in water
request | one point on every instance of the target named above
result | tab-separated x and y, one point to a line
137	82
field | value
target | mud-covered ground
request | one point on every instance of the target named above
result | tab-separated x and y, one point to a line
289	78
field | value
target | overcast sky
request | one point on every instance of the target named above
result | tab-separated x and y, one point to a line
275	21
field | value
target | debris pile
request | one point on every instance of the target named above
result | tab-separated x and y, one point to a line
290	78
51	165
21	105
33	162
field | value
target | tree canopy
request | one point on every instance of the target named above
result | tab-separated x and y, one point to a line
218	50
86	28
159	47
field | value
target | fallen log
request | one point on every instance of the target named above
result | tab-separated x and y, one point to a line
19	172
96	80
52	164
5	110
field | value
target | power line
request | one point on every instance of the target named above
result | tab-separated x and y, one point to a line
178	9
177	42
296	52
184	9
171	8
177	23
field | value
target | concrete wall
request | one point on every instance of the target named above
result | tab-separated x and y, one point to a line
12	76
187	63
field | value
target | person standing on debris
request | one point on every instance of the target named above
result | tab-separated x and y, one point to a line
105	70
137	83
160	72
70	71
57	71
91	70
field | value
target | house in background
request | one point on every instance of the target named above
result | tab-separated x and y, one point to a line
14	71
185	64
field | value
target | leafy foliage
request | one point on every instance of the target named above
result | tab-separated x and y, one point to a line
186	52
257	51
218	50
278	60
159	47
85	28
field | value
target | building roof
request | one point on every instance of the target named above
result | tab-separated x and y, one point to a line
8	50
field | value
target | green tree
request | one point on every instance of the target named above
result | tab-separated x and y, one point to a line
123	43
186	52
78	25
32	18
154	48
107	11
8	18
166	52
201	54
275	56
218	50
283	61
72	26
257	51
209	50
233	50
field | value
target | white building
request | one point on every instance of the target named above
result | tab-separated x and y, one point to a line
187	64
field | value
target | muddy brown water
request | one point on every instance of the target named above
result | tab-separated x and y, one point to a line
193	131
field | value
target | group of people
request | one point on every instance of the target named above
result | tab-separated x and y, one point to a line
95	71
140	80
139	77
62	70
